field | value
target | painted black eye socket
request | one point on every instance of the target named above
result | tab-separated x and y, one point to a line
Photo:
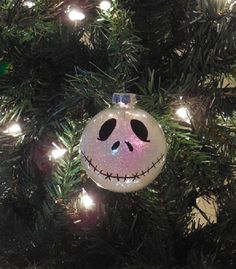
106	129
140	130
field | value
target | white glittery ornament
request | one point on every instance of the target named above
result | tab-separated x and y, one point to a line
123	148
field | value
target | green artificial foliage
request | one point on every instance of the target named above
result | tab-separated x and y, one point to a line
171	54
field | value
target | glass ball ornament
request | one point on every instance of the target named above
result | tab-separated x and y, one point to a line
123	148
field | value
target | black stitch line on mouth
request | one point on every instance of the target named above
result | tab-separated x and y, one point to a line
110	176
135	176
143	173
107	175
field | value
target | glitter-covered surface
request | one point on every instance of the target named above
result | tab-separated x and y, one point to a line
123	162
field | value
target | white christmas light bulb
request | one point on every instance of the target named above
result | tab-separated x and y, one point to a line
183	113
29	4
105	5
76	15
13	130
86	200
57	152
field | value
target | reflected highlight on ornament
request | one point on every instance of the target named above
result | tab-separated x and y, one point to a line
57	152
76	15
13	130
105	5
183	114
86	200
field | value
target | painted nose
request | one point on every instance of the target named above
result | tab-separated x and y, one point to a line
115	145
129	146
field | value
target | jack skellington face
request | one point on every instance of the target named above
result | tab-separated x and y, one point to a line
123	149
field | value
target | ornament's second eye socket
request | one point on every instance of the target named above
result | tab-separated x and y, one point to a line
140	130
106	129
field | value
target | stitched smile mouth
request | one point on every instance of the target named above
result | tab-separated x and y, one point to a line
110	176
